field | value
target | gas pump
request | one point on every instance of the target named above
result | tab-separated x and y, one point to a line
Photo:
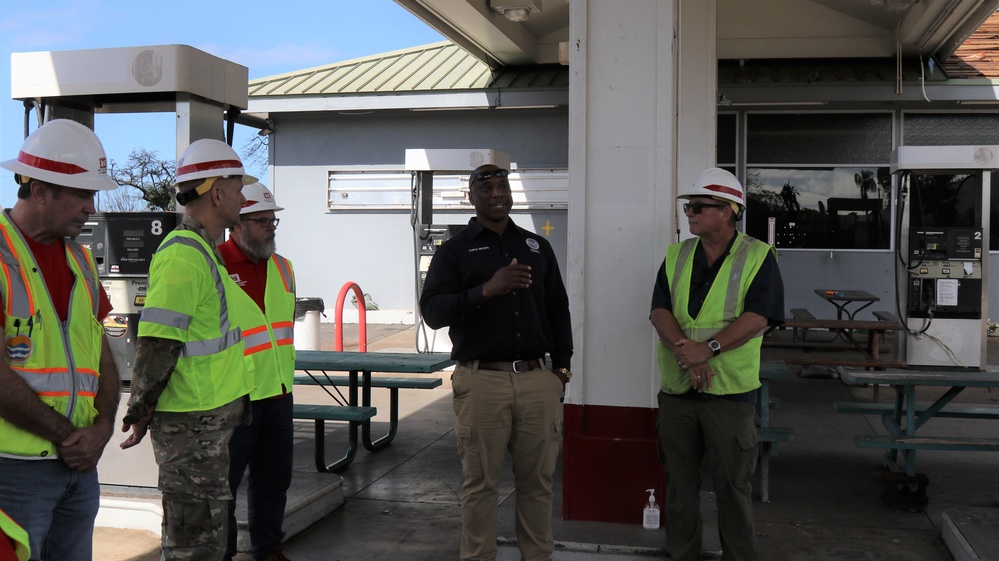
123	245
944	239
427	236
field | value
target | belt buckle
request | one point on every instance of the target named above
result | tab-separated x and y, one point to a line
514	366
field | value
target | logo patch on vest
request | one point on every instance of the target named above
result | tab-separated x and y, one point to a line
533	244
19	348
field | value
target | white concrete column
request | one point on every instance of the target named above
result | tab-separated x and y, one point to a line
697	95
622	116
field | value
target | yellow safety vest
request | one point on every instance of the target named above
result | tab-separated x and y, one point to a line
22	547
738	369
274	372
191	299
60	361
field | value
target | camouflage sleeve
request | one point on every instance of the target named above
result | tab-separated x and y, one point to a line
155	359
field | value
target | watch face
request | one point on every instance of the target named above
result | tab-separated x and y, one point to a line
714	345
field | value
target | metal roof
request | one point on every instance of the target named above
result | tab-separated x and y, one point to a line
438	67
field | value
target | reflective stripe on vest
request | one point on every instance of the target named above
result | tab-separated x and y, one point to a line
284	332
230	336
20	304
256	339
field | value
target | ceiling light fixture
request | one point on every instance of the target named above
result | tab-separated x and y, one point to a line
515	10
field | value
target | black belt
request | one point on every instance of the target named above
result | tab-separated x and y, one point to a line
505	366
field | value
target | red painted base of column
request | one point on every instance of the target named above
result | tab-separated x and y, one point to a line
609	459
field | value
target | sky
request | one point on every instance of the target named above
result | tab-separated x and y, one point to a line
266	37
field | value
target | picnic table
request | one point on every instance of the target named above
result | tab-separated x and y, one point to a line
903	418
843	299
358	412
867	354
769	435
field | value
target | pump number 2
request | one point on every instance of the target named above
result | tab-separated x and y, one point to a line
156	227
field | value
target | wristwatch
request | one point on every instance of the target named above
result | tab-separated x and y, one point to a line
563	374
715	346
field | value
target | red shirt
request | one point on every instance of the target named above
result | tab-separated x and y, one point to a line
59	278
250	276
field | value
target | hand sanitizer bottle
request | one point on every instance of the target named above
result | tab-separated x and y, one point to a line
650	520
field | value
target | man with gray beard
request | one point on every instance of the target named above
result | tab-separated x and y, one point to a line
265	445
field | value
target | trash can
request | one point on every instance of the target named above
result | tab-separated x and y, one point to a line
307	311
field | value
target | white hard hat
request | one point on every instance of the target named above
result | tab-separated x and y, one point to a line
63	152
719	184
207	158
258	198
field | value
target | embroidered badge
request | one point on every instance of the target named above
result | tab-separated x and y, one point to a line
533	244
19	348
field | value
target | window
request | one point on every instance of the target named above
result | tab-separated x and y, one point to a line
842	207
819	180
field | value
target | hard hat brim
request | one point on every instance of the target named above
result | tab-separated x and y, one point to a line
91	183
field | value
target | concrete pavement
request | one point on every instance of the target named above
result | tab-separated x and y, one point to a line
402	502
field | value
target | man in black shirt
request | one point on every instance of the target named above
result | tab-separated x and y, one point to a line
499	289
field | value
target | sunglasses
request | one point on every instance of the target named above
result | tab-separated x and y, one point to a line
264	222
696	208
484	175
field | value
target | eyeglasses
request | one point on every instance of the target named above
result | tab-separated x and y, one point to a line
698	207
264	222
484	175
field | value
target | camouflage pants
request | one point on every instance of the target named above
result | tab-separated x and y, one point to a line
192	451
194	529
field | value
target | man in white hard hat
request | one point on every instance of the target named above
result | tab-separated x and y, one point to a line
59	386
714	296
190	383
266	444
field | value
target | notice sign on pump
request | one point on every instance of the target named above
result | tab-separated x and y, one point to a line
115	325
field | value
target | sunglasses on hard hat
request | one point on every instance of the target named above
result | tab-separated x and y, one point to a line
696	208
484	175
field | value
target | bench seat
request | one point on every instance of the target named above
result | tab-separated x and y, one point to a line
775	434
801	313
356	416
852	363
397	382
950	410
951	443
333	412
392	383
885	316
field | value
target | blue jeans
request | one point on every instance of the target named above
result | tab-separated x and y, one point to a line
54	504
266	446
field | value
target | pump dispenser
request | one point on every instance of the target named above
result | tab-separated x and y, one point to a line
650	520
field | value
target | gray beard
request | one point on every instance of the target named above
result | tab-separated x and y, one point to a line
261	251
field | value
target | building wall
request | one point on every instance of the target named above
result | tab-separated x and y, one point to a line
375	249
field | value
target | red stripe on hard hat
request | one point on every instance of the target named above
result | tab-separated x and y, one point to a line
249	202
205	166
725	190
49	165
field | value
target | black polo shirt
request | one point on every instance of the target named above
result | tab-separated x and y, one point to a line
521	325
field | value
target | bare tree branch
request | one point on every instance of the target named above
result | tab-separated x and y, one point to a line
151	176
255	153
